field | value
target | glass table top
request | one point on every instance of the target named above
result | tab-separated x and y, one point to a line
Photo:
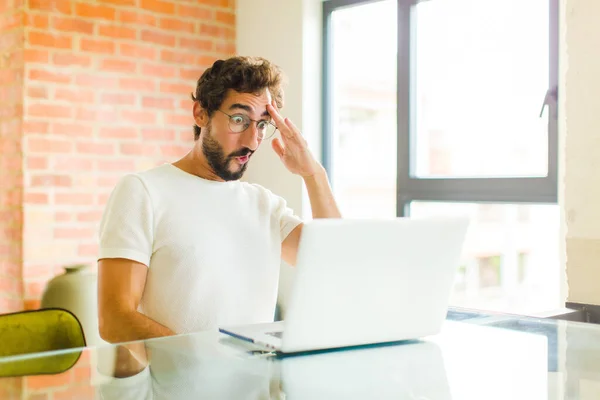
476	356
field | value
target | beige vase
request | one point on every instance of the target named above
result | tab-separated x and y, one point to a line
76	291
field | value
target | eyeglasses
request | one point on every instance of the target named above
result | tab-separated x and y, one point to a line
238	123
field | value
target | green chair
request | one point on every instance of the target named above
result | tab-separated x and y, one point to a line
39	331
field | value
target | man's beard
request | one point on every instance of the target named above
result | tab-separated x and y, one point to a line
213	151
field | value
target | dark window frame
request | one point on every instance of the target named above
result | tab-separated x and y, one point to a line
536	190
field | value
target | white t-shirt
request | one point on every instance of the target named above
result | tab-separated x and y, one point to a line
213	248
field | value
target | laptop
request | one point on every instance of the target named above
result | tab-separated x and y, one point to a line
361	282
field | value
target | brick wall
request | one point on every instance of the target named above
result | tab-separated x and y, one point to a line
106	91
89	90
11	187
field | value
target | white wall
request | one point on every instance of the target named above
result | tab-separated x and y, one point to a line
287	32
580	140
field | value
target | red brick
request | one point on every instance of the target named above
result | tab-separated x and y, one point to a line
139	117
75	96
155	102
61	6
34	305
196	44
217	3
116	165
186	104
63	216
95	148
49	111
226	17
36	198
11	111
176	88
72	25
36	163
73	233
97	46
72	129
47	76
83	374
118	65
158	38
138	149
158	134
86	10
37	92
49	40
134	17
13	20
137	84
73	163
177	57
195	12
75	392
48	381
206	60
8	77
69	59
137	51
102	199
40	145
39	21
179	119
36	56
226	48
158	6
190	73
9	285
108	181
93	114
85	250
217	31
90	216
96	81
73	199
174	150
35	127
117	32
119	2
122	99
51	181
119	133
177	24
159	70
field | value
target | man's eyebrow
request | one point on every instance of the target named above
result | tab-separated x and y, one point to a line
246	107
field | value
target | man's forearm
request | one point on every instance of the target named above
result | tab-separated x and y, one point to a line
321	198
130	326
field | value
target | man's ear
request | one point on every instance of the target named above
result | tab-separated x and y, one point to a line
200	115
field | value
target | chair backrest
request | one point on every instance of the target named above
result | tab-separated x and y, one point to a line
39	331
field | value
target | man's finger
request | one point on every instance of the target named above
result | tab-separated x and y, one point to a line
293	127
279	122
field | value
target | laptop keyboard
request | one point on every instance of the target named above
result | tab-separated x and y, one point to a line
276	334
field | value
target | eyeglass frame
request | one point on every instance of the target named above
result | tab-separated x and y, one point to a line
251	120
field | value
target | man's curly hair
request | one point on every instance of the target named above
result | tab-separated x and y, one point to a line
242	74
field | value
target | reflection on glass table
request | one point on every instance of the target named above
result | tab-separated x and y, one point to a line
477	356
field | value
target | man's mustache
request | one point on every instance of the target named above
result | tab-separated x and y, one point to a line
241	153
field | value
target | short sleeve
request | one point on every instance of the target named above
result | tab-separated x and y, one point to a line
126	228
285	215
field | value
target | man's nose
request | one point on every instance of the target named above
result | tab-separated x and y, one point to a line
250	138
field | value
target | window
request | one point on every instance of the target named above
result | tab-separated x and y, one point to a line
434	106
